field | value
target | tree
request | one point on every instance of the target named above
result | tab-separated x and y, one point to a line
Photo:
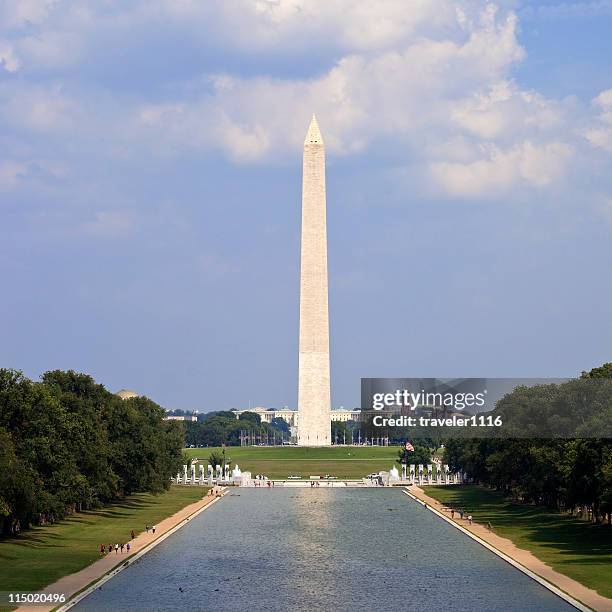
219	458
563	470
604	371
339	432
250	417
280	425
67	444
420	455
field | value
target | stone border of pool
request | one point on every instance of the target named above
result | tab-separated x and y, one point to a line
106	577
548	585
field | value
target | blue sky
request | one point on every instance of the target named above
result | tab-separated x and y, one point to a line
150	159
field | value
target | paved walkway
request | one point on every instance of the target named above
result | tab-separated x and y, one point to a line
69	585
578	591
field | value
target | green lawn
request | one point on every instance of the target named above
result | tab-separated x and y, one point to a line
42	555
576	548
281	461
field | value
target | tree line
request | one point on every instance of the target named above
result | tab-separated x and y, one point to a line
573	474
67	444
222	427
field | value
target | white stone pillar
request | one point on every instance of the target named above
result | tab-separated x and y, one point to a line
314	427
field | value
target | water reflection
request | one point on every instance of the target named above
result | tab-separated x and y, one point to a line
320	549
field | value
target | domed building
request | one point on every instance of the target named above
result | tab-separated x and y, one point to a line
126	394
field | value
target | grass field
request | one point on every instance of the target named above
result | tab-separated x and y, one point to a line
576	548
281	461
42	555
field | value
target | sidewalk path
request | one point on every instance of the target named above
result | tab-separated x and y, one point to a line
73	583
578	591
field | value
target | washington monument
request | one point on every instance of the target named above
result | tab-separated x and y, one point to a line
314	428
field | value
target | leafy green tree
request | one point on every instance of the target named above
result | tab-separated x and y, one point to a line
67	444
250	417
280	425
420	455
339	431
604	371
218	458
568	472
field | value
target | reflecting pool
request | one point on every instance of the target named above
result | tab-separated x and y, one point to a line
320	549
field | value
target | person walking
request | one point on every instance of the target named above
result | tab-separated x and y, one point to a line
121	547
153	529
116	548
102	550
452	513
110	549
128	548
470	519
147	528
133	534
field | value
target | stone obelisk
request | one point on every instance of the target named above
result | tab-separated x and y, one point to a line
314	427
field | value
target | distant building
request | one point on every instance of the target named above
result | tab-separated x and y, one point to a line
343	415
189	417
291	416
126	394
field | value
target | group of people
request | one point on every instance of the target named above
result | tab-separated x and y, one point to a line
116	548
121	548
262	481
461	512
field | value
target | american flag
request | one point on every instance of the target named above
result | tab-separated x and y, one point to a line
409	447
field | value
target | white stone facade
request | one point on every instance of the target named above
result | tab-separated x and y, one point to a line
292	416
314	398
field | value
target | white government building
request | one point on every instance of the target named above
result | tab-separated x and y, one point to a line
265	414
292	416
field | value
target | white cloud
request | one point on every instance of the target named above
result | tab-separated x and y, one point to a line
20	13
39	108
498	170
600	135
504	110
357	25
429	82
363	97
15	173
51	49
8	59
420	97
